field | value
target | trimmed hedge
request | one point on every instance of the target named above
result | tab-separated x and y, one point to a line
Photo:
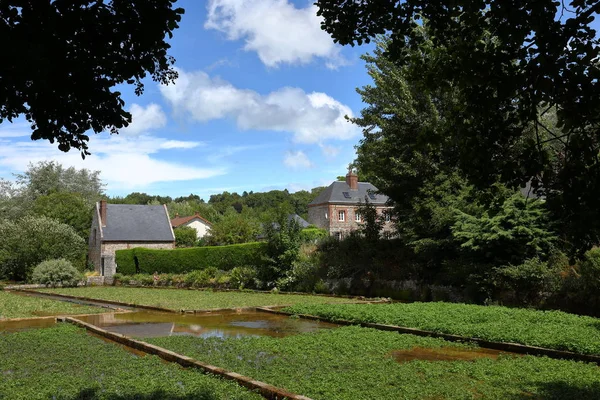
179	261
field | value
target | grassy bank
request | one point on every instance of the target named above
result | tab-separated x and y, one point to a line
356	363
551	329
190	299
17	306
66	363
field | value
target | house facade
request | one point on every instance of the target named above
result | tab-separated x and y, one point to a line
201	225
124	226
336	208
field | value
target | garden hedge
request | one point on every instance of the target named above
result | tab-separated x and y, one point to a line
189	259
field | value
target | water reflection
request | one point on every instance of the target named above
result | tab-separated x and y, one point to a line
210	324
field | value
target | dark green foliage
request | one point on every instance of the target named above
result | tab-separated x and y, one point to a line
67	207
30	240
56	272
550	329
283	247
65	362
185	236
87	51
507	65
243	278
312	235
372	222
233	228
186	260
358	363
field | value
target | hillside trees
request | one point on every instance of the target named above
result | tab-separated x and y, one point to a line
511	63
86	49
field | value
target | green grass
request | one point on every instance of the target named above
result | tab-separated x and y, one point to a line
355	363
66	363
17	306
190	299
550	329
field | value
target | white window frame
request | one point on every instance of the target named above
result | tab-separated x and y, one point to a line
326	216
341	215
357	216
387	216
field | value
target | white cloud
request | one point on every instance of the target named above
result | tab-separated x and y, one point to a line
311	117
276	30
144	119
16	129
330	151
296	160
125	162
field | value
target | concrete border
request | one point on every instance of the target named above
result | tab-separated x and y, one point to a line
488	344
268	391
58	316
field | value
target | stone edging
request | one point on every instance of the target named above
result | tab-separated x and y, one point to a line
503	346
58	316
266	390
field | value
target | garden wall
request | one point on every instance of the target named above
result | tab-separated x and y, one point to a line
177	261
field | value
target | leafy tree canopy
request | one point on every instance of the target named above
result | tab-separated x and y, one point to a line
523	78
63	60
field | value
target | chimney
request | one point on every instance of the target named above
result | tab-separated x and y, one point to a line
352	180
103	212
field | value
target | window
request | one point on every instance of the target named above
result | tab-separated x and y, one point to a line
326	216
372	196
387	216
94	238
346	195
338	235
342	216
357	217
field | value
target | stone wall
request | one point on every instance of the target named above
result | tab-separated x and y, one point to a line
109	248
318	216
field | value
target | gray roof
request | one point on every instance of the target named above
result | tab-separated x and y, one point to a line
301	221
131	222
339	192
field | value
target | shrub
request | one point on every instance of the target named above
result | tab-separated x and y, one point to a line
312	235
243	278
30	240
185	236
531	281
56	272
191	259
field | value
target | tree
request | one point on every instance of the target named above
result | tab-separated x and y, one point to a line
185	236
30	240
68	208
234	228
64	84
47	177
511	64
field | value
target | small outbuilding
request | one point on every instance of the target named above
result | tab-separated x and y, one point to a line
196	221
124	226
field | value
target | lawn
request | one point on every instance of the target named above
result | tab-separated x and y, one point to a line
18	306
356	363
551	329
178	299
66	363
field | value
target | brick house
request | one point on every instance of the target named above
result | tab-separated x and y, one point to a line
201	225
335	209
123	226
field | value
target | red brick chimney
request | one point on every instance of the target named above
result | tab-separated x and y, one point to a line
103	212
352	180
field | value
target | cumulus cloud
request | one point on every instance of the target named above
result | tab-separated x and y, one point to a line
275	29
144	119
124	162
296	160
311	117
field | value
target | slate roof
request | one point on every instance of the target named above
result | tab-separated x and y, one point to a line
132	222
301	221
178	221
335	194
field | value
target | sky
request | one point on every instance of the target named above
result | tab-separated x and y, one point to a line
260	104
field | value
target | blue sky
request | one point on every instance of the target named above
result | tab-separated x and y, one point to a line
259	105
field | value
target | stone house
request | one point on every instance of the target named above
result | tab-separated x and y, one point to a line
124	226
335	209
201	225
